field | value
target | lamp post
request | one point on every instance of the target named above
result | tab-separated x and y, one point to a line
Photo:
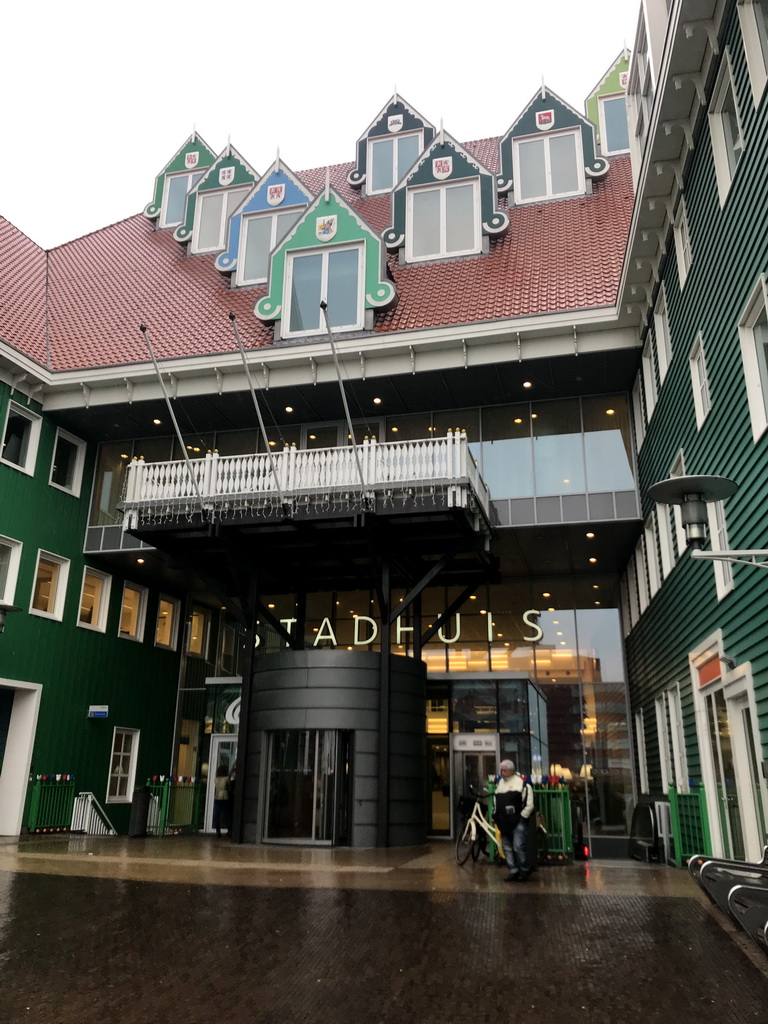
692	494
4	609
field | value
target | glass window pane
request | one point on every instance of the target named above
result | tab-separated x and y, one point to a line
608	444
616	129
760	331
558	447
426	223
64	462
16	440
285	222
342	287
47	578
165	623
306	279
234	198
382	152
533	174
507	456
209	221
460	218
408	149
129	614
563	167
90	602
5	568
176	197
257	245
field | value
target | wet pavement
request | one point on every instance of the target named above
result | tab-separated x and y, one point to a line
190	930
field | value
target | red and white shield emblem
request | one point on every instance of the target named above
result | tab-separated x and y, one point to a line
275	194
624	79
442	167
192	160
545	119
226	175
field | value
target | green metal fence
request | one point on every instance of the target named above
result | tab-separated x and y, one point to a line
554	805
51	803
175	805
690	824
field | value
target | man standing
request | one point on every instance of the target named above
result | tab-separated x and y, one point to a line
514	806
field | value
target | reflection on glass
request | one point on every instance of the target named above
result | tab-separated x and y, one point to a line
600	646
46	581
343	291
532	182
438	771
725	775
460	218
166	622
473	707
306	283
558	447
426	223
382	155
564	169
90	600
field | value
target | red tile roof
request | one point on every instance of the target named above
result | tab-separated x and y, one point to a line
556	256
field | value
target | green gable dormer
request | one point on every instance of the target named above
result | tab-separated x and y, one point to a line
222	189
549	152
445	206
179	176
389	147
606	107
332	255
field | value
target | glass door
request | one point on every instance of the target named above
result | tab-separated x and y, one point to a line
726	790
439	800
223	755
308	786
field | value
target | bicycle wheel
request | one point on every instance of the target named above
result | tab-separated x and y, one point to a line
464	843
477	846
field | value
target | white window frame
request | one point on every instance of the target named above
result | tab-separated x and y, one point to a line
206	639
62	579
131	773
679	759
702	399
176	614
661	331
642	755
641	574
638	410
190	176
549	194
8	592
665	754
397	173
683	246
286	332
678	469
100	625
35	422
632	593
224	218
138	636
77	471
718	538
757	56
245	224
443	188
726	150
652	554
649	376
602	100
754	360
664	531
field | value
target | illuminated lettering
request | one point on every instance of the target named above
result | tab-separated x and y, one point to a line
323	635
456	635
374	630
530	618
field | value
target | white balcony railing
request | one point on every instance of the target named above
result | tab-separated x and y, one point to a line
311	479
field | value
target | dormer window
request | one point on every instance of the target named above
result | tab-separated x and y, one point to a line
175	196
614	131
212	215
333	274
259	235
443	220
389	158
548	167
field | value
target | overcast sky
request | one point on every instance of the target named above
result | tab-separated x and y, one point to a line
97	97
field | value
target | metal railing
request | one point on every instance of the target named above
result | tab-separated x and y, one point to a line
690	824
306	478
89	816
175	805
51	803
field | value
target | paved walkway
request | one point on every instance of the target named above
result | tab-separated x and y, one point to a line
191	930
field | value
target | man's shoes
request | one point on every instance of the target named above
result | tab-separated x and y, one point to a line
512	877
523	876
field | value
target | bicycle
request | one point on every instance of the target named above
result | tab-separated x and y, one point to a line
468	839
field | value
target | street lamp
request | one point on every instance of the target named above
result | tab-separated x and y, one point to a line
692	494
4	609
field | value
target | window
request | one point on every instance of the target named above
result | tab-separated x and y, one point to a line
753	15
678	469
725	129
683	243
443	221
642	759
641	574
166	630
664	530
199	629
67	465
614	131
20	438
718	536
652	554
548	167
389	157
649	377
133	612
122	768
661	330
333	274
10	556
175	191
50	588
669	728
701	399
638	416
258	237
753	334
212	215
94	600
